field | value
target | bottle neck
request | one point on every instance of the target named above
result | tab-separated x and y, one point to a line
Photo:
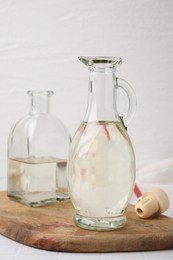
102	96
40	102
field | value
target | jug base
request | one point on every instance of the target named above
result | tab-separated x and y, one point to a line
100	224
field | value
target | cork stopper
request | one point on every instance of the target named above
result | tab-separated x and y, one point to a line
153	202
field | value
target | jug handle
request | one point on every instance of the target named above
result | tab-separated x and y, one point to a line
131	98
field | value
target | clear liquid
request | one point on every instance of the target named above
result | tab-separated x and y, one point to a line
37	181
101	170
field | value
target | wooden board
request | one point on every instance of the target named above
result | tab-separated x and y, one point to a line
51	227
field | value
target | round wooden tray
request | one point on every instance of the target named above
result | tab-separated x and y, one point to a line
51	227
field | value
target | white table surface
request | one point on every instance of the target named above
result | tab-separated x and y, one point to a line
158	174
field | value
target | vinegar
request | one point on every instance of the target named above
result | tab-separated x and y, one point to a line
101	170
36	181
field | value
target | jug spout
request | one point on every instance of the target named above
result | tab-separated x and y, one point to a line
100	62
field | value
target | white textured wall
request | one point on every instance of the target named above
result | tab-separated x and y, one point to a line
40	41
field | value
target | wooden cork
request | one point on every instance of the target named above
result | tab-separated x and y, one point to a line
153	202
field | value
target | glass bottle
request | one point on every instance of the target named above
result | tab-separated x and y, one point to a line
37	155
101	167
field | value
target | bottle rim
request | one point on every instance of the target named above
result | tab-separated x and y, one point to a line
40	92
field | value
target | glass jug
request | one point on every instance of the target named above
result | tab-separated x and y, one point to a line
101	167
38	147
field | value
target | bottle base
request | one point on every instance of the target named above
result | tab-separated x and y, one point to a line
37	199
62	196
100	224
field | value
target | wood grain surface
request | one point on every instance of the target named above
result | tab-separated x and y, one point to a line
51	227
